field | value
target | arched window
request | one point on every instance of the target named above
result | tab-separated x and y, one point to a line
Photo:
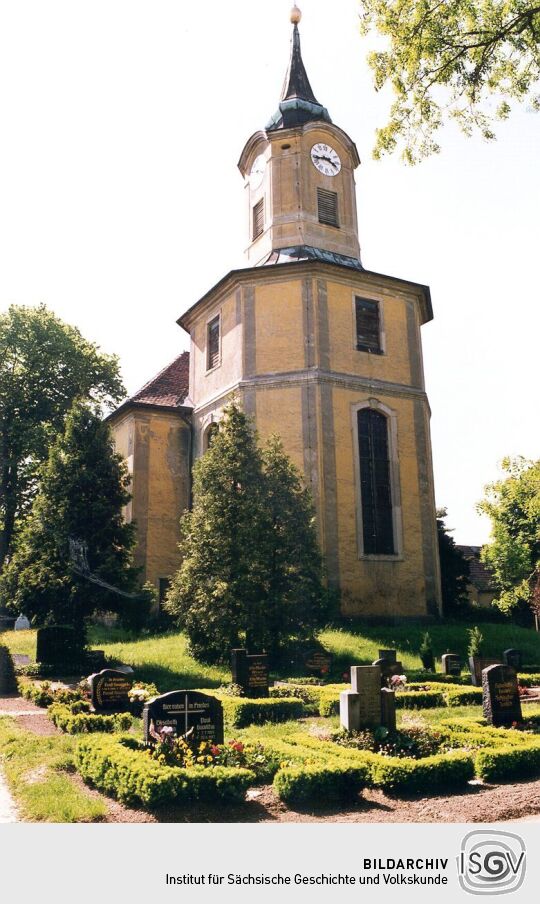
375	483
209	435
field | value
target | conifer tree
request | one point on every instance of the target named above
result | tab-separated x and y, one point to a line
84	485
250	570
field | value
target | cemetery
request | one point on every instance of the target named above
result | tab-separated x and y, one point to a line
309	738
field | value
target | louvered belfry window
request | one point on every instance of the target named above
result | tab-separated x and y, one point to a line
258	219
375	488
212	343
368	326
328	207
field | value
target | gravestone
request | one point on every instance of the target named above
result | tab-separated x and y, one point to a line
477	666
360	707
109	689
500	698
58	645
513	658
8	680
388	668
451	664
185	711
391	655
388	708
318	662
22	624
250	672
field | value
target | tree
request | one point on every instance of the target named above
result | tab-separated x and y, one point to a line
250	571
465	60
83	487
513	504
296	601
454	569
44	366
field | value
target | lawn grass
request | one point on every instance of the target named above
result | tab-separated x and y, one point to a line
164	659
36	770
360	645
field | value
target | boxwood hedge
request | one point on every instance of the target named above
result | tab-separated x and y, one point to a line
76	720
121	767
242	711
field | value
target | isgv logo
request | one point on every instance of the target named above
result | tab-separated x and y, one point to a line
491	863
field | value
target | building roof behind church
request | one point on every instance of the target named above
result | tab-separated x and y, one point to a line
479	574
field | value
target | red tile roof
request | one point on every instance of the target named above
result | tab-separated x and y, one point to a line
169	389
479	575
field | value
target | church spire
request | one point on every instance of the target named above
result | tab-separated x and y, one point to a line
298	103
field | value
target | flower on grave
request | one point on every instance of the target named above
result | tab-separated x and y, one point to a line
237	745
397	681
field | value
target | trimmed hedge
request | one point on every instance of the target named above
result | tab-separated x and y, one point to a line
242	711
400	774
76	719
43	693
495	765
463	696
334	781
122	768
419	699
529	679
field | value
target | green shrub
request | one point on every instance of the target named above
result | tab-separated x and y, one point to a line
123	768
242	711
44	693
528	679
74	720
494	765
462	696
302	692
8	681
411	699
321	783
444	770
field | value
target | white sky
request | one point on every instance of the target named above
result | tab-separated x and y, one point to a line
120	202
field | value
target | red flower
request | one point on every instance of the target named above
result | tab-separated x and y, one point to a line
237	745
215	751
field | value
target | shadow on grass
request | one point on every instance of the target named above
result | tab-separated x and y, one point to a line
167	679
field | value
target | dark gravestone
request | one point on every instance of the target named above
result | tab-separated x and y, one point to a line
477	665
388	669
391	655
451	664
199	716
361	706
109	690
250	672
513	658
8	681
318	662
388	708
58	645
500	698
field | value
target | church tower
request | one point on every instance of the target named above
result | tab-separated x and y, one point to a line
320	351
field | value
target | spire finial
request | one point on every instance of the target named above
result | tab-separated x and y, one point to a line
296	15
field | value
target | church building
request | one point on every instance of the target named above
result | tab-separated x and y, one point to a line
317	349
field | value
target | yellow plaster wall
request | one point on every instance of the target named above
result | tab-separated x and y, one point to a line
279	410
394	364
209	383
279	327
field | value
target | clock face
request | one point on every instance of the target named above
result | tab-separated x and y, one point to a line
325	159
257	171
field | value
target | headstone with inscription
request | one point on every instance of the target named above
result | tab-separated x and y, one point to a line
360	707
109	690
388	669
318	662
477	665
513	658
250	672
388	708
451	664
500	697
189	713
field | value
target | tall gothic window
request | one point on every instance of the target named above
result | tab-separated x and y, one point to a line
375	487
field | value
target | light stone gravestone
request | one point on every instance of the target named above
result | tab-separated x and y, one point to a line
361	706
22	623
